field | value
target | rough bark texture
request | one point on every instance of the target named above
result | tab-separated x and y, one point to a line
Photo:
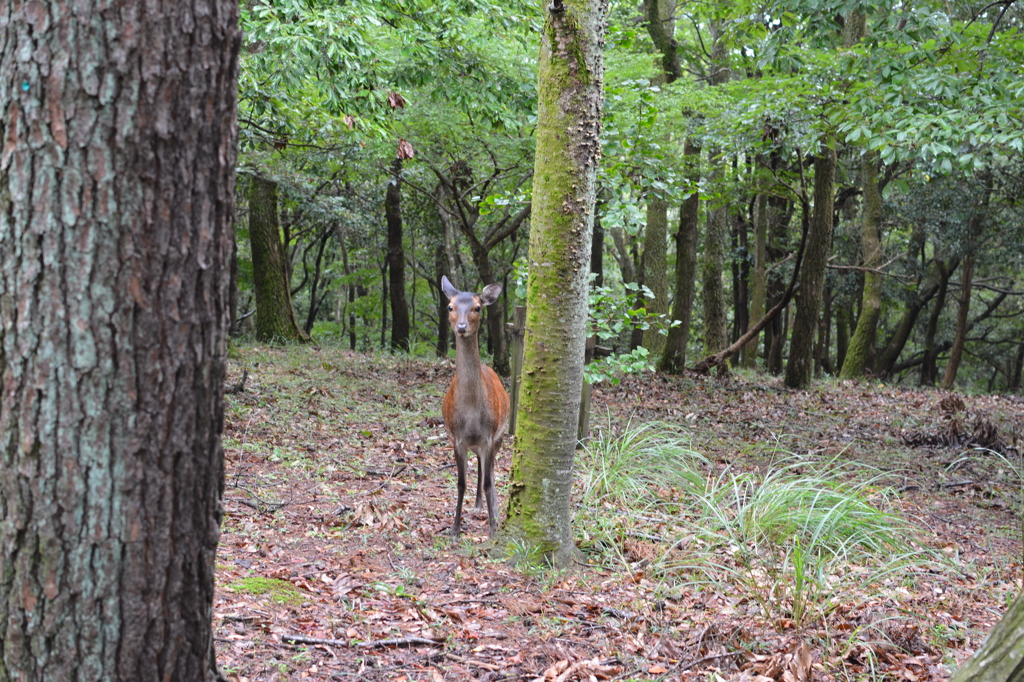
396	260
862	344
962	313
800	367
564	186
117	126
1001	657
674	357
275	316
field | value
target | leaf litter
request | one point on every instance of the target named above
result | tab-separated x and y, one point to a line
340	481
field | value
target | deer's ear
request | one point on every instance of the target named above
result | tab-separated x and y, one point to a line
449	290
490	294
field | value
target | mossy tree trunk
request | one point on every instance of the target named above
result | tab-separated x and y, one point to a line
656	270
861	347
564	187
117	184
800	367
275	316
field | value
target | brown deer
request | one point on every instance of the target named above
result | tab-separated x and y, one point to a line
475	408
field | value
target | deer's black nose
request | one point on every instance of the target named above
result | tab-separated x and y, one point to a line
461	327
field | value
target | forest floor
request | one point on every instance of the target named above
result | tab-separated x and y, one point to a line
334	562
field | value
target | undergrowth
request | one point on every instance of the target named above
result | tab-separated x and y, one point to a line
798	540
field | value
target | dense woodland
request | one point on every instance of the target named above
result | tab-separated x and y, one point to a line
833	185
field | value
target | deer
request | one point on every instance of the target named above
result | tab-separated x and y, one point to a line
476	406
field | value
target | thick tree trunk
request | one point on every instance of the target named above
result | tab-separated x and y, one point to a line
275	316
1001	657
862	345
116	209
396	260
673	359
564	188
812	275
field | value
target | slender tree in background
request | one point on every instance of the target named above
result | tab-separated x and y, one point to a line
977	224
862	344
673	358
275	316
564	190
713	296
396	259
800	367
758	278
117	187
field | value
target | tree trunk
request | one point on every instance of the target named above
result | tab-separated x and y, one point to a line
117	183
962	313
396	260
674	357
656	270
812	275
444	327
564	188
1001	657
275	316
862	345
759	282
597	253
929	368
887	360
713	295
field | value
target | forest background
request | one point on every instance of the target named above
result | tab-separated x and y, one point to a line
874	149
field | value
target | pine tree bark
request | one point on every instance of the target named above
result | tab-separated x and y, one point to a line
861	348
396	260
275	316
564	190
800	367
116	211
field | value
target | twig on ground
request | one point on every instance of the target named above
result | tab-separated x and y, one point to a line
397	641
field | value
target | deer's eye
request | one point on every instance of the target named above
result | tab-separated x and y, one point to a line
476	309
450	308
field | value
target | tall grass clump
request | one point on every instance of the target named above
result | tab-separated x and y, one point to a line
796	540
641	465
631	480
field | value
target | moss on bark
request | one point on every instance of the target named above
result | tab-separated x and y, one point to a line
568	150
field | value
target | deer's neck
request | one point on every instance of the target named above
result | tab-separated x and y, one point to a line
468	368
